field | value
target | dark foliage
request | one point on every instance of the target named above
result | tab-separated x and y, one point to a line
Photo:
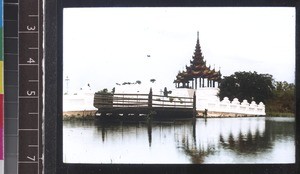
138	82
283	100
247	85
152	80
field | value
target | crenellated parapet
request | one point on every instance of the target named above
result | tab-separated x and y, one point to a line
207	99
233	107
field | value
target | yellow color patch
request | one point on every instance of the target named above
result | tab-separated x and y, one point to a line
1	77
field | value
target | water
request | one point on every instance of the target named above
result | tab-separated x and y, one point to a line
215	140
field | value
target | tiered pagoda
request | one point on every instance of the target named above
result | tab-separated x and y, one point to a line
198	74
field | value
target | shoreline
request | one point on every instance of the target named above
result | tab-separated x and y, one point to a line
79	115
90	115
279	114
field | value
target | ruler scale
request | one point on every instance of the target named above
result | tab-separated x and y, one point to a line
26	21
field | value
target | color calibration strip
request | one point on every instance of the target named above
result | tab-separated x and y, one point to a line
11	86
1	93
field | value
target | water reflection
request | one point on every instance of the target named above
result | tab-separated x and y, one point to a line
218	140
248	144
149	133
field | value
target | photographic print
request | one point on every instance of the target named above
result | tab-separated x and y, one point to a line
193	85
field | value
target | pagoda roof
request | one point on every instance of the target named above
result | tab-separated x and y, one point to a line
197	67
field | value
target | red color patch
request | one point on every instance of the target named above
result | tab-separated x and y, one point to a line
1	112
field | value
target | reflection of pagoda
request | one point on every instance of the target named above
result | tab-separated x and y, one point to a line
198	72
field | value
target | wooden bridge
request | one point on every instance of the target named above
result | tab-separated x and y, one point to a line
141	106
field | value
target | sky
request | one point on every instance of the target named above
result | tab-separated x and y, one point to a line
105	46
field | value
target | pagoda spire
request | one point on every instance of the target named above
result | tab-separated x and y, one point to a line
198	42
198	71
197	57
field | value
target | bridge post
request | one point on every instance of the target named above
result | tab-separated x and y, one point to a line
150	98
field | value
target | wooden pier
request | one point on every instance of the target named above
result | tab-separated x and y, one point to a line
141	106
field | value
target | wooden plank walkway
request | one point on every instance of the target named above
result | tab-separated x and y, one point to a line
141	106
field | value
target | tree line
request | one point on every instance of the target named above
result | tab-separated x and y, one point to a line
279	97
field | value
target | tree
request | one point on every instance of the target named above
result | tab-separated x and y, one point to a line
138	82
283	100
103	91
152	80
247	85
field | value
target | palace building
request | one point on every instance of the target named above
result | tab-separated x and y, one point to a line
204	81
198	74
197	81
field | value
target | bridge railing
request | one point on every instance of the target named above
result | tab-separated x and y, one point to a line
172	101
142	100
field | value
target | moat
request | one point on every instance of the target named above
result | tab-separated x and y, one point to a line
213	140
